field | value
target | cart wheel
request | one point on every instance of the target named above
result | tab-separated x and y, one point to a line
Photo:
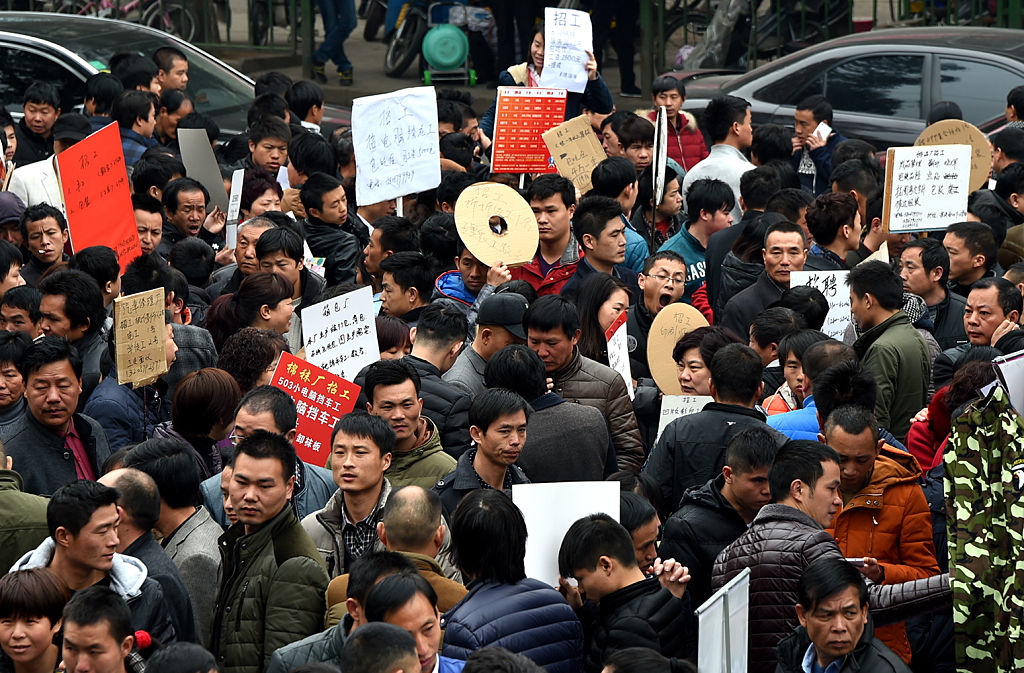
472	77
426	77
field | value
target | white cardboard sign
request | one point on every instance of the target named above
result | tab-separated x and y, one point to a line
568	36
395	139
677	406
722	624
926	187
340	333
234	207
618	351
832	284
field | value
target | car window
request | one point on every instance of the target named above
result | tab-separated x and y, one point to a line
978	88
794	87
21	67
886	84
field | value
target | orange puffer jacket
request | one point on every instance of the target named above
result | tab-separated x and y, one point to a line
889	520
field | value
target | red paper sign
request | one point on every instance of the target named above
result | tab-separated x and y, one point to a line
97	200
321	398
523	115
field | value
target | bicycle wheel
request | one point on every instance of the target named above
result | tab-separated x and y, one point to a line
374	19
682	34
172	17
81	7
405	46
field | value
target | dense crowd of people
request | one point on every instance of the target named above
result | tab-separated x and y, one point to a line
172	527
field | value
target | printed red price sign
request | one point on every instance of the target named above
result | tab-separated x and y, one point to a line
522	117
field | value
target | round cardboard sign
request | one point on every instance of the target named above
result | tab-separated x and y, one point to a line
958	132
672	322
496	223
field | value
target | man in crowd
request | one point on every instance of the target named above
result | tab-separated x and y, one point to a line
280	251
553	200
227	279
972	254
135	114
36	183
20	311
45	232
553	330
172	68
406	285
812	151
326	206
708	206
834	222
267	546
803	423
389	235
727	122
41	107
149	221
498	324
599	229
98	632
924	268
662	282
185	202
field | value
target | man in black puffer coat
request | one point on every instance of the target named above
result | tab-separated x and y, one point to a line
633	610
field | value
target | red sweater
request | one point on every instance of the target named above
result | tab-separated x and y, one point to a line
686	144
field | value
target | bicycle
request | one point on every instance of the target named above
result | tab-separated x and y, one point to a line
170	16
405	45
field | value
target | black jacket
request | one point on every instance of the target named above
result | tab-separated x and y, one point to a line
163	570
736	276
638	326
445	404
339	248
704	525
719	245
869	656
40	456
948	318
643	614
32	147
691	451
171	235
742	308
463	479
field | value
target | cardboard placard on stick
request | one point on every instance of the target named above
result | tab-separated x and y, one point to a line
677	406
201	165
672	322
959	132
140	336
618	351
97	201
659	162
568	36
926	187
496	223
576	150
523	115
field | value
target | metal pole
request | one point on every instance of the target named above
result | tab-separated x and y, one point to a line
307	39
646	45
659	45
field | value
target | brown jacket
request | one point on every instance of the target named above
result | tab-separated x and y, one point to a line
585	381
449	592
290	203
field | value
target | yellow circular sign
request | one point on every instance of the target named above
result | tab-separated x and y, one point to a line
496	223
958	132
669	325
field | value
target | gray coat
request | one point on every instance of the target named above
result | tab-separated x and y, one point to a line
319	648
566	441
40	457
468	372
193	549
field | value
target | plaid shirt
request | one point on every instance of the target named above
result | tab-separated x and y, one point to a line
360	536
134	144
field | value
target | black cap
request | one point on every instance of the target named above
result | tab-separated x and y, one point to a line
71	126
505	309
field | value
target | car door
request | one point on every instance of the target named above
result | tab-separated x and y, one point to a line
21	65
977	85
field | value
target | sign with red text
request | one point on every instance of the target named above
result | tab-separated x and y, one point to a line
523	115
618	351
97	200
321	398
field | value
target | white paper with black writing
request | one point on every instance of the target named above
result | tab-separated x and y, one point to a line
340	333
832	284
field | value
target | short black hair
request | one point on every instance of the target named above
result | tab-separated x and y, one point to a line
367	569
41	211
394	591
770	325
83	300
132	105
410	269
822	354
73	504
634	510
13	346
103	89
274	82
98	261
174	468
796	344
457	147
147	272
933	254
645	184
978	238
666	255
829	213
378	647
172	100
771	142
134	71
789	201
397	234
448	112
826	577
880	281
852	419
263	444
139	496
668	83
313	189
194	258
736	373
269	126
495	403
9	256
552	184
182	186
612	175
26	298
806	301
165	56
856	175
758	185
389	373
552	312
181	657
819	106
1010	141
280	239
1007	294
592	216
489	537
708	340
784	227
845	382
97	604
442	325
635	130
721	113
311	153
494	659
517	368
42	93
709	195
269	398
362	424
798	459
751	449
590	538
204	122
303	96
155	170
266	105
452	184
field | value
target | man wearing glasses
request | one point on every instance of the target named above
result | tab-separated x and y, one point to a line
271	409
661	282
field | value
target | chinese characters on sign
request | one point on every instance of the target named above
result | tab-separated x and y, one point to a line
141	337
97	200
832	284
522	117
926	187
576	150
321	398
568	37
481	204
677	406
618	351
396	144
341	334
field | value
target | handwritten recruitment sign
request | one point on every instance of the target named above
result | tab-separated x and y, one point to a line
340	333
677	406
523	115
496	223
959	132
97	200
141	337
832	284
618	351
321	398
926	188
568	37
396	144
576	150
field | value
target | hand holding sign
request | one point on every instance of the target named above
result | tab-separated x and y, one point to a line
496	224
568	43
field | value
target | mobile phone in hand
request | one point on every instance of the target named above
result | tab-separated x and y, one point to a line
859	562
823	131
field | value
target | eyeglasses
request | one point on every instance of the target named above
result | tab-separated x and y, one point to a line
664	280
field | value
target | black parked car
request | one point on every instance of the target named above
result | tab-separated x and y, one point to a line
881	83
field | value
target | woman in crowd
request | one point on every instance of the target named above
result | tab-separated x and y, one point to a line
173	106
202	414
250	356
261	192
393	337
693	353
600	301
31	603
263	300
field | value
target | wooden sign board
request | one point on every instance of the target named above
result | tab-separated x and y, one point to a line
958	132
669	325
926	187
141	337
576	150
496	223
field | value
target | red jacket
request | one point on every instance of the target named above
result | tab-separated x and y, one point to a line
699	300
557	275
926	438
889	520
686	144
